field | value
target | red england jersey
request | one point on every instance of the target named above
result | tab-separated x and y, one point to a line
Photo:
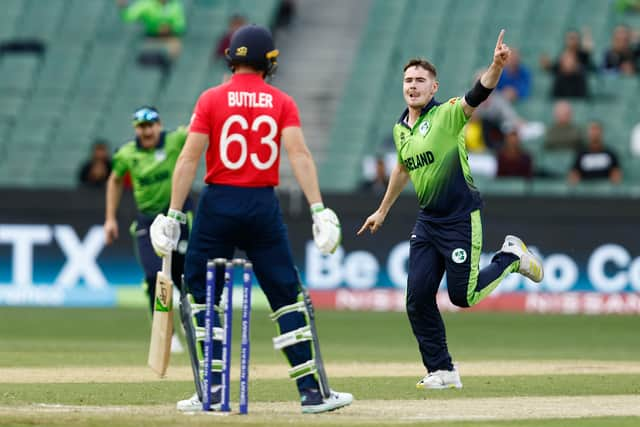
244	119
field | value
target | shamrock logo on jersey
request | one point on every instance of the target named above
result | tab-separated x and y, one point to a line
160	155
424	127
459	255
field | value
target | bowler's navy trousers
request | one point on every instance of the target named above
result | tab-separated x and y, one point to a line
454	247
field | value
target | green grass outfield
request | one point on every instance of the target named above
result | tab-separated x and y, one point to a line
88	367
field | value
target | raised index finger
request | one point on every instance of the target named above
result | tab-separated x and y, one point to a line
500	37
364	227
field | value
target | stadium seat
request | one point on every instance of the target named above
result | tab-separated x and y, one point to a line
188	79
631	169
603	188
35	126
5	128
21	159
97	77
77	127
372	67
542	84
88	81
89	76
40	20
11	107
206	23
11	11
555	163
548	187
505	186
18	73
581	110
45	105
115	125
138	84
111	29
60	69
174	115
80	21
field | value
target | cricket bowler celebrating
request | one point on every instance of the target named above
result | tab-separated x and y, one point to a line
447	235
242	124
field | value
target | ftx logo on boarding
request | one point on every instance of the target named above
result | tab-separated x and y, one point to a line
80	255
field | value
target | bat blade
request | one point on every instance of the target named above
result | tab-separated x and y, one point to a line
162	326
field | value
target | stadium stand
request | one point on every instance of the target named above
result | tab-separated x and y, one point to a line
459	36
316	60
86	81
356	114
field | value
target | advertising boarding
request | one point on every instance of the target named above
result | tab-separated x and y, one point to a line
53	253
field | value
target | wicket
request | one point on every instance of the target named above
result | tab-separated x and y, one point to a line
224	333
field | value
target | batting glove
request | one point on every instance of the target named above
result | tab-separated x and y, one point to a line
327	233
165	231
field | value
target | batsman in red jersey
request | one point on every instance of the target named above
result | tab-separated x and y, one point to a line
243	124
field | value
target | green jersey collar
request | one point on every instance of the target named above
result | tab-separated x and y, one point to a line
425	110
160	142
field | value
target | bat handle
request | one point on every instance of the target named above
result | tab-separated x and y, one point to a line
166	265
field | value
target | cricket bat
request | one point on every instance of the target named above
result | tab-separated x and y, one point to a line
162	324
323	381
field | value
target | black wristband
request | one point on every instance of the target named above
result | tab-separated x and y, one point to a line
477	94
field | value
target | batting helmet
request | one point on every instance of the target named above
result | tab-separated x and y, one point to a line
253	45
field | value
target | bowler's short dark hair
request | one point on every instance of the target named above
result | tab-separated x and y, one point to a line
423	63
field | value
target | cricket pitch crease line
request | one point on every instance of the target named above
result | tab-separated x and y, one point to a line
128	374
534	407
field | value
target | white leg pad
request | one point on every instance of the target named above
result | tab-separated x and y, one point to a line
292	337
303	369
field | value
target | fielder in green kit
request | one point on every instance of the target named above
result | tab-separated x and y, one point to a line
447	236
150	159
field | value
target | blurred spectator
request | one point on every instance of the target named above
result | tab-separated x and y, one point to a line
570	78
515	81
286	12
235	22
492	117
497	114
487	124
635	140
164	22
581	46
628	6
95	171
378	184
563	134
476	132
513	161
473	136
620	57
596	161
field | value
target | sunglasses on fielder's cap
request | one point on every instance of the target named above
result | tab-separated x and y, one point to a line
145	115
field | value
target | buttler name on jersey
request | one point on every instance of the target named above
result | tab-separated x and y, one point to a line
250	99
418	161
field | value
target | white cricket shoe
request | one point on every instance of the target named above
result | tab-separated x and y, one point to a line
193	404
176	345
313	402
440	379
530	265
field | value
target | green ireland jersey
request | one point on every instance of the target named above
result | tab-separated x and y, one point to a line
151	169
154	15
434	154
